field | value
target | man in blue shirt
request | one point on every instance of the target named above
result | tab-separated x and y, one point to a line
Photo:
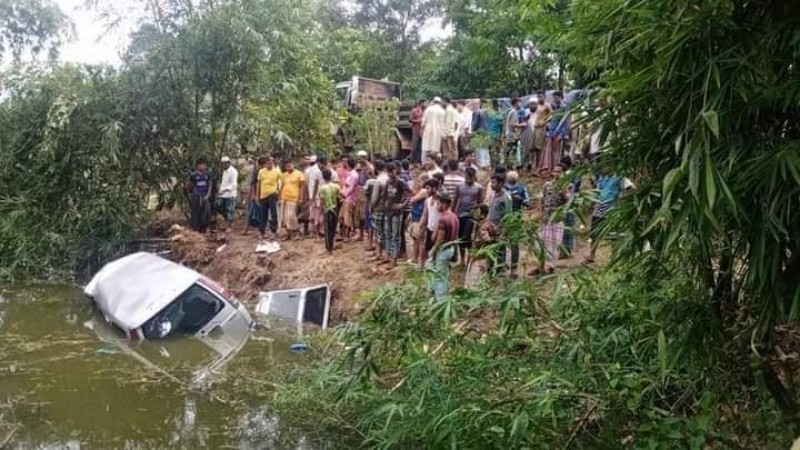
608	189
199	186
557	133
519	200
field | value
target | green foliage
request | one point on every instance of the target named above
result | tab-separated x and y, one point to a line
81	148
377	39
242	75
619	358
374	127
72	192
31	25
703	110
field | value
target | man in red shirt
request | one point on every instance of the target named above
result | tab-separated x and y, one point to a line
443	247
416	131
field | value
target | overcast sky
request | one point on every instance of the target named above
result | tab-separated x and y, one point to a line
93	43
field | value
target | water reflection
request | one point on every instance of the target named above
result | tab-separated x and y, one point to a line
62	386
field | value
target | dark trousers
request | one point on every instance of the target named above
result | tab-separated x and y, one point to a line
199	213
269	213
416	149
331	218
403	227
501	255
463	146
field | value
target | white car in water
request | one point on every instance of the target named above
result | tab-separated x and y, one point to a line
148	298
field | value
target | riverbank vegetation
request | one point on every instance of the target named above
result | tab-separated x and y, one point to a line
627	357
687	339
698	103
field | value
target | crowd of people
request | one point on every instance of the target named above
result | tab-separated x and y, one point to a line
432	215
534	136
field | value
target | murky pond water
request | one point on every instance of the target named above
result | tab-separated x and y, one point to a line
65	383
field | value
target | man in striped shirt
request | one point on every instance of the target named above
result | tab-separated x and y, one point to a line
452	178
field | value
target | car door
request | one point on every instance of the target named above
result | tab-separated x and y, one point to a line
311	304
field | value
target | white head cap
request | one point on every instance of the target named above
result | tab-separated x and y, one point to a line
361	153
225	159
437	99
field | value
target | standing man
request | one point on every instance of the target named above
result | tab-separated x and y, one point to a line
443	248
378	207
313	180
368	168
541	120
432	128
396	199
290	198
254	210
199	186
269	186
499	206
519	200
432	162
551	230
351	216
468	196
228	191
452	178
608	187
480	120
323	163
557	133
416	130
513	128
341	170
464	128
449	150
469	161
329	202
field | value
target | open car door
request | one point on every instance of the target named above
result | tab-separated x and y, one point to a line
311	304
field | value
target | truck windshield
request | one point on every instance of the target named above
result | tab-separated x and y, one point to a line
188	314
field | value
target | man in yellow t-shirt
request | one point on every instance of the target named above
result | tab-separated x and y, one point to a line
269	185
290	198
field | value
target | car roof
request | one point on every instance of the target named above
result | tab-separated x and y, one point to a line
132	289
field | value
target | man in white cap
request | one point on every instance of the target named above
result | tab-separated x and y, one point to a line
363	158
433	128
228	191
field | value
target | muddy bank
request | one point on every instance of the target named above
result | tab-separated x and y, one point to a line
231	260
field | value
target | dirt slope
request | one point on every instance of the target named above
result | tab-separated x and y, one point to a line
232	261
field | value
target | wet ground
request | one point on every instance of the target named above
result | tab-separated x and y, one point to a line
66	385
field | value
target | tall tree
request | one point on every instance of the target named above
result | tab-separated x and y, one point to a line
33	25
703	108
393	29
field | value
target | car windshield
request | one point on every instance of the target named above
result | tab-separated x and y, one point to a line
186	315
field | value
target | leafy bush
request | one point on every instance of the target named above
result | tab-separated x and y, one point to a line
616	360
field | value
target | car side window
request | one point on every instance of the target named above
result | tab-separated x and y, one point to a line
188	314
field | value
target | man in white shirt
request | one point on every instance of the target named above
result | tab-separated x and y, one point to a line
228	191
313	180
464	128
449	150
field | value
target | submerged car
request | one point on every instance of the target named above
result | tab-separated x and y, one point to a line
148	297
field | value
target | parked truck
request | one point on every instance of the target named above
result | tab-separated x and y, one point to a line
366	91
